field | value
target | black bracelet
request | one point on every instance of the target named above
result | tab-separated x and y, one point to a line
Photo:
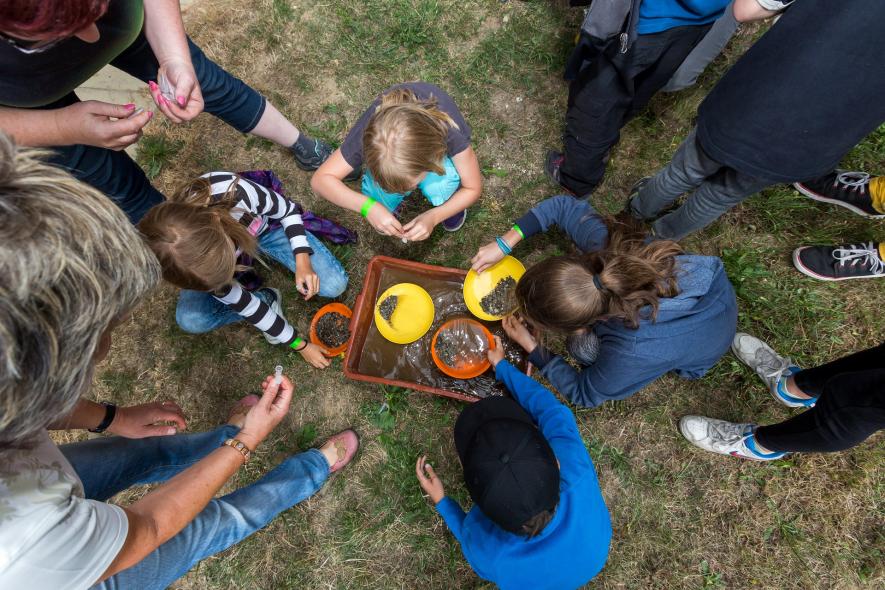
110	410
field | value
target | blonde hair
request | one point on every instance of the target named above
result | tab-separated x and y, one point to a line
195	238
568	293
71	265
405	137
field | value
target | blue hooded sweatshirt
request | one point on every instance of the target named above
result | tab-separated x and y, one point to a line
573	547
691	331
656	16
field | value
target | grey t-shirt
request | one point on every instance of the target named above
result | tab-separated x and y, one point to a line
457	140
40	79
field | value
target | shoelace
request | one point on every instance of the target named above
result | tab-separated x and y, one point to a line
865	254
727	433
770	365
854	180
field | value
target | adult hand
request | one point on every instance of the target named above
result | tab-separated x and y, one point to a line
101	124
384	222
141	421
421	227
518	332
486	256
307	282
315	356
496	355
187	102
430	483
270	410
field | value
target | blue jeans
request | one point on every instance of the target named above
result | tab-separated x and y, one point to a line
114	173
437	188
109	465
199	312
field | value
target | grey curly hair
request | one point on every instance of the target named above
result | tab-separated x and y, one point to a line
70	264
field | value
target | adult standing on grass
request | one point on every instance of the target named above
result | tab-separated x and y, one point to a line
71	269
844	403
50	47
774	117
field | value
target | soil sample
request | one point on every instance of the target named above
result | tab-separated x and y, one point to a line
387	307
332	329
499	301
462	344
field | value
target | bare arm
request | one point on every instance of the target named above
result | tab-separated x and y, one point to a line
163	512
86	123
130	422
750	10
328	182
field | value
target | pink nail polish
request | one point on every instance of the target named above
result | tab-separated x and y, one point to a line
129	106
152	85
181	101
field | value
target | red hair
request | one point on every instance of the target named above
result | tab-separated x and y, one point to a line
49	18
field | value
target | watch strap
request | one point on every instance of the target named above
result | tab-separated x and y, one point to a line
110	411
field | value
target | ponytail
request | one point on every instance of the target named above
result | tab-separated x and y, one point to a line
621	281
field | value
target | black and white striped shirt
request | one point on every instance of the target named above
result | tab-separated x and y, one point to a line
255	206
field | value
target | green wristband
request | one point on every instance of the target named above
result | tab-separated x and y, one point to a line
296	344
367	204
518	230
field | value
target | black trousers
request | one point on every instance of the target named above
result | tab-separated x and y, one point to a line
851	406
609	91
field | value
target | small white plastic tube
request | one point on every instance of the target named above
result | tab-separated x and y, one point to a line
278	374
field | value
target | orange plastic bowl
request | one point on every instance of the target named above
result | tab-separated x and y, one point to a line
468	370
328	308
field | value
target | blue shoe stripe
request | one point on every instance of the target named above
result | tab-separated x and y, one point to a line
750	443
784	395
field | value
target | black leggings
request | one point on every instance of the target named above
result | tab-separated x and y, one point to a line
850	407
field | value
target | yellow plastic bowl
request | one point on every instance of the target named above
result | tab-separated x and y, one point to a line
412	317
477	286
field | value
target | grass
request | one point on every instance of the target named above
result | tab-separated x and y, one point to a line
682	518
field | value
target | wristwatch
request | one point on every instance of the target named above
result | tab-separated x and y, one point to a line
110	410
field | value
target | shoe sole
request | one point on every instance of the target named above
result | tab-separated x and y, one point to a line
816	197
460	225
797	262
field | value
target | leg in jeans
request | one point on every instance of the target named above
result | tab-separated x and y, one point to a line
109	465
199	312
687	170
704	52
813	381
226	521
333	277
850	409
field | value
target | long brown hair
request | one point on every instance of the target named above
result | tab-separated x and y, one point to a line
405	137
195	238
568	293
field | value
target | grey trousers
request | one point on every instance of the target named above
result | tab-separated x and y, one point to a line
704	52
716	189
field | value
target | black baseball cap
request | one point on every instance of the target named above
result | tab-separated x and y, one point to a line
509	468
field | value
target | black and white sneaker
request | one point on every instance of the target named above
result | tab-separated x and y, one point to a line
846	189
310	153
840	263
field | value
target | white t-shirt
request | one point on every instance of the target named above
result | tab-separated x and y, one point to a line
51	537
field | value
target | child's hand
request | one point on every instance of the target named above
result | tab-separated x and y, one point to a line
496	355
384	222
315	356
486	256
307	282
430	483
517	332
421	227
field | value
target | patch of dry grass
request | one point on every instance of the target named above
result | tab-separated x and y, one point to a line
682	518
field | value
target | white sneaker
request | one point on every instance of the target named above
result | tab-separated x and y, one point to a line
770	366
276	307
720	436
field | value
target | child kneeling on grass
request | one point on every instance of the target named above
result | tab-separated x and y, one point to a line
413	136
200	236
633	310
539	519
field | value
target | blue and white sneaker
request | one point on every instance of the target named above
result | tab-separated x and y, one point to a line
771	367
724	438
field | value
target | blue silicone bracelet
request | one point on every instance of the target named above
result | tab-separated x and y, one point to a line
505	248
